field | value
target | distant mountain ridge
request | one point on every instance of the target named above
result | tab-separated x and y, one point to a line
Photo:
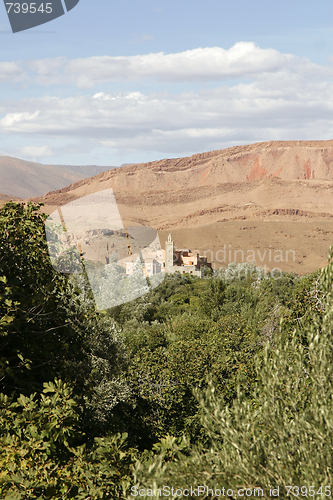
25	179
86	170
259	197
205	173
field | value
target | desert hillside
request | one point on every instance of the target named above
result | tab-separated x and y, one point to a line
24	179
271	201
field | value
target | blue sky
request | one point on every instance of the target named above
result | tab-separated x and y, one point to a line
120	81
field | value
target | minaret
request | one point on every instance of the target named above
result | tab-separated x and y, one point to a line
169	250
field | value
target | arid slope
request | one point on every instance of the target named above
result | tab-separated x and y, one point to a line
265	196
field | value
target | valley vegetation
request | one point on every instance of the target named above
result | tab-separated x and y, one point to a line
221	381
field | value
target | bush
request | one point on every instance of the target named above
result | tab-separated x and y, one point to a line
281	436
44	455
49	326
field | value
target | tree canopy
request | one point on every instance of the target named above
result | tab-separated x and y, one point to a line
221	380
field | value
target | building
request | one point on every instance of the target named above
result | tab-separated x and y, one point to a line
153	261
169	260
150	265
183	261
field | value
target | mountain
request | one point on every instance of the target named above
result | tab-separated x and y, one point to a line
84	170
257	202
25	179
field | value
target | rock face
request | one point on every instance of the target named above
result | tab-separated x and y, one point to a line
202	199
288	161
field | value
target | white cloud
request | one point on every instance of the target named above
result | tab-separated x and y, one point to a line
279	106
243	60
16	119
284	97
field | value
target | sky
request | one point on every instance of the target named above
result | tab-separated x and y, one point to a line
124	81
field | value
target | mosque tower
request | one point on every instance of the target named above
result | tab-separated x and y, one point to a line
169	252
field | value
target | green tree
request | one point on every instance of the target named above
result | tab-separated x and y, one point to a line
280	436
44	454
213	297
49	326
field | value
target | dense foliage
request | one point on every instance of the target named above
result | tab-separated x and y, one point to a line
220	381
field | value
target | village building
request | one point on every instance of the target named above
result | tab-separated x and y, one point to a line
183	260
153	262
170	260
150	265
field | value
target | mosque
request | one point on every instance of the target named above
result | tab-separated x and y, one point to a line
170	260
